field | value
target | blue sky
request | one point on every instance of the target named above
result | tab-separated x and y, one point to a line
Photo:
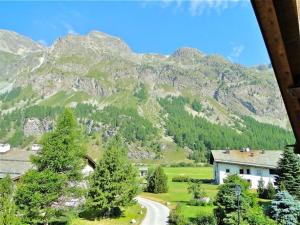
226	27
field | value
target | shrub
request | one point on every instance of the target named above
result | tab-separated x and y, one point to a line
199	202
193	180
205	220
157	182
270	191
227	202
266	192
255	216
261	188
196	106
183	164
196	190
176	216
181	179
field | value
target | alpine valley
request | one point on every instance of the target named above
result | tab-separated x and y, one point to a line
167	108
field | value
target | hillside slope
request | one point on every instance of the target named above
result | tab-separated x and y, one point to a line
98	70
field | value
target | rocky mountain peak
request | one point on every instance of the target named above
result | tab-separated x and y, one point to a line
187	55
15	43
94	42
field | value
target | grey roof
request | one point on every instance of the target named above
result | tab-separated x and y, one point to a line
258	158
15	163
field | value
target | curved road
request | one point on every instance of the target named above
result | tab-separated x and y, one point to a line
157	214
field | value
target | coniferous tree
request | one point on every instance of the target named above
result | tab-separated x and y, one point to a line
8	211
261	188
114	182
61	150
285	209
36	194
157	181
270	191
289	173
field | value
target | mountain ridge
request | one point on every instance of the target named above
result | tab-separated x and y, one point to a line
102	70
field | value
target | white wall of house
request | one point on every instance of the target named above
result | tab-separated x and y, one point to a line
4	148
36	147
250	173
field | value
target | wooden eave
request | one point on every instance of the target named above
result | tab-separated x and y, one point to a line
279	24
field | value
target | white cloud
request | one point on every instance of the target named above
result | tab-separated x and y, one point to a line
236	51
43	42
68	27
198	7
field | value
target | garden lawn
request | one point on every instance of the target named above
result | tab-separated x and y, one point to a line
132	212
178	190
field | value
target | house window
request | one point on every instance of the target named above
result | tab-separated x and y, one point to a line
273	171
241	171
259	172
227	170
248	171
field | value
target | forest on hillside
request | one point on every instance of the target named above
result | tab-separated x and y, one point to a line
201	135
193	132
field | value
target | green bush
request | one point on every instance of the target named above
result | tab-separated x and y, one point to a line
205	220
196	202
196	106
189	179
181	179
183	164
141	93
266	192
157	182
176	216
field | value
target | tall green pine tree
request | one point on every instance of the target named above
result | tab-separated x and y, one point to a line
36	194
8	211
289	173
114	182
158	181
61	149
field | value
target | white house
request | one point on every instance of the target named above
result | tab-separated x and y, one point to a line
143	171
251	165
4	148
36	147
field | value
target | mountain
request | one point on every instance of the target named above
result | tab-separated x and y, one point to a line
101	70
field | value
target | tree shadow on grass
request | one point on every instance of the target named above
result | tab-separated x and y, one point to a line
92	214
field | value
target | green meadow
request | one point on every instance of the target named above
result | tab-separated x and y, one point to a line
178	192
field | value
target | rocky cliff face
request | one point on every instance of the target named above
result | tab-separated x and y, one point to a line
13	43
102	69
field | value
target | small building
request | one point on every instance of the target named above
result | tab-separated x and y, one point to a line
143	170
251	165
36	147
15	163
4	148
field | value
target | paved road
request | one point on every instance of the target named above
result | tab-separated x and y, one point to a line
157	214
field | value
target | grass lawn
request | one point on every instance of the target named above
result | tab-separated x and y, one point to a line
132	212
178	191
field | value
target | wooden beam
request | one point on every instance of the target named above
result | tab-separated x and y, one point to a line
294	92
279	24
